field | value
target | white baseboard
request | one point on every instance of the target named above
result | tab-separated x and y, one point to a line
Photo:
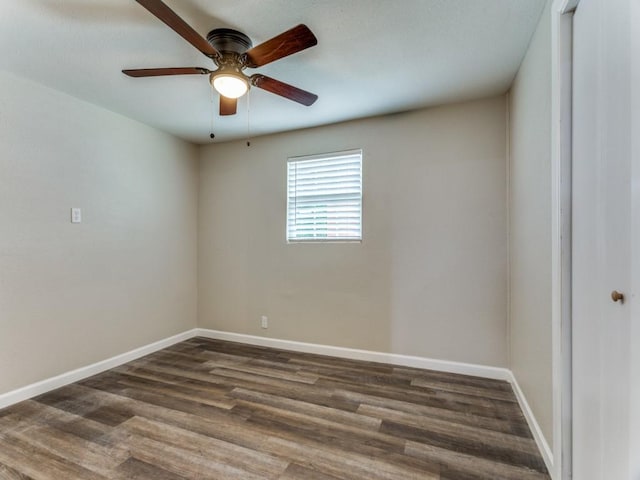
367	355
541	441
485	371
52	383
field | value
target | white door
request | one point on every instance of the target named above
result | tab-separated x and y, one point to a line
602	241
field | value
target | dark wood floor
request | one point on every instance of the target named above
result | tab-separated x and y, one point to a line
206	409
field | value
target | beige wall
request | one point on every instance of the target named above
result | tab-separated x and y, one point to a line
70	294
430	276
530	227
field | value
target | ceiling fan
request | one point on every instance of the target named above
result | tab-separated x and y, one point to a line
232	52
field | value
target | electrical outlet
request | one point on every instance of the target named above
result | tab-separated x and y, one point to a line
264	321
76	215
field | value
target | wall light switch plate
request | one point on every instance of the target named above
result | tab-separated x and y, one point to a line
76	215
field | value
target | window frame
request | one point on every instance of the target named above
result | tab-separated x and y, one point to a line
322	156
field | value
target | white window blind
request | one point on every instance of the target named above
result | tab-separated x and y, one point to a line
324	197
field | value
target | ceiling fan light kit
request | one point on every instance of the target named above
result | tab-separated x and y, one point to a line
232	52
229	84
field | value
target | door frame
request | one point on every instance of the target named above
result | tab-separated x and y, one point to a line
634	420
561	179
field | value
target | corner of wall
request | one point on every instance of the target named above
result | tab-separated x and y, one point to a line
198	160
529	255
508	222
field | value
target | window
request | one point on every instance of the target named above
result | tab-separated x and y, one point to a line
324	197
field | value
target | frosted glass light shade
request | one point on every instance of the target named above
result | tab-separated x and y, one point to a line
230	86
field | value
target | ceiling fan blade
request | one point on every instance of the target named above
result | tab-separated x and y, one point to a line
157	72
168	16
283	89
287	43
228	106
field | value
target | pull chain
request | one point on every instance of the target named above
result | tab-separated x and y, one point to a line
212	135
249	118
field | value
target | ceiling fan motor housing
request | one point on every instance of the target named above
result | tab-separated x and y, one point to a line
229	40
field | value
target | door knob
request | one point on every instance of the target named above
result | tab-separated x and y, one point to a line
617	296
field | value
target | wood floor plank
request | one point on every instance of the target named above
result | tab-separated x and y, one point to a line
464	389
298	472
222	425
293	376
35	462
66	401
33	413
310	409
91	456
210	409
8	473
134	469
182	461
330	460
454	416
436	398
451	441
254	374
461	466
216	451
155	398
298	428
454	378
175	376
179	392
470	433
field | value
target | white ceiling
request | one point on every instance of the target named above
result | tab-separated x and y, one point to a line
373	56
